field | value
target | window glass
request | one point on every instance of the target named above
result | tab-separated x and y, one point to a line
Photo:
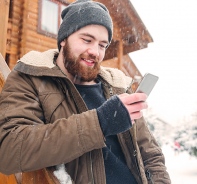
49	17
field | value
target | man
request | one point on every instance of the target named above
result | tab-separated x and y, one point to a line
64	109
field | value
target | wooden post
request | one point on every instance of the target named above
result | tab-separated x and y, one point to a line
4	71
4	12
120	54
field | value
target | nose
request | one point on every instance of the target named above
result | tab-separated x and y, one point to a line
94	50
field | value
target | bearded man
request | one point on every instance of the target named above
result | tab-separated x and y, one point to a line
62	109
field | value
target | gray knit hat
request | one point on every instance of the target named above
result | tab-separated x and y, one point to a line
82	13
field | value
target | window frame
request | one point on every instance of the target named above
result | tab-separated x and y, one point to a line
39	27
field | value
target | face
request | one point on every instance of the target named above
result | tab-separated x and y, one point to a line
83	52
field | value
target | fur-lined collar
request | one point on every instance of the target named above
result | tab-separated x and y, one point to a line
35	61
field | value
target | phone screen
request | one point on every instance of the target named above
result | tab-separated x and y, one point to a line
147	84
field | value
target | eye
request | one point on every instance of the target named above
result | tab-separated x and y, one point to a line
86	40
102	46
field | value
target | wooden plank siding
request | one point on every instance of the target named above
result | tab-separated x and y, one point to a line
4	9
23	35
129	32
128	66
14	32
31	39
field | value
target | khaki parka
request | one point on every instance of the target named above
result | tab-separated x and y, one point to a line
44	122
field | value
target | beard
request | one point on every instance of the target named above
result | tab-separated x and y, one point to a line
76	69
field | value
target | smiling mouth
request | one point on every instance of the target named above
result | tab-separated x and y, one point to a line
88	62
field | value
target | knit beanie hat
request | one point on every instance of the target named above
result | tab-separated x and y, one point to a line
82	13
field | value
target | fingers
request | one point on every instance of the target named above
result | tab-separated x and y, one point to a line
132	98
135	110
135	107
136	115
134	103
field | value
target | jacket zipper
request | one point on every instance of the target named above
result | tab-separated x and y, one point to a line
91	168
90	155
135	155
149	176
109	87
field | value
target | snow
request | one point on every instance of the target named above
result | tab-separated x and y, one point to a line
181	167
172	55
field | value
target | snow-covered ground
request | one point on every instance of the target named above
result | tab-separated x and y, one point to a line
181	167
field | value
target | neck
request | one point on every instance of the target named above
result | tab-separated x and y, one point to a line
83	83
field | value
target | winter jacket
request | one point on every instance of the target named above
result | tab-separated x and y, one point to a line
44	122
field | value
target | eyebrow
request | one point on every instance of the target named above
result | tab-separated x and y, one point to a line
87	34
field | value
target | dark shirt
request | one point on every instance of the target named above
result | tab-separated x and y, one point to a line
116	169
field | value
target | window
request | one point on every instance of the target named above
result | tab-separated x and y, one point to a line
49	18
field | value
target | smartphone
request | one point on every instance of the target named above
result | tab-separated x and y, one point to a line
147	84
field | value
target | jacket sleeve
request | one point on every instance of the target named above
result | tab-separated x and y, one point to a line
27	143
152	156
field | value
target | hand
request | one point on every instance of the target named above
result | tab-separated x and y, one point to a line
134	103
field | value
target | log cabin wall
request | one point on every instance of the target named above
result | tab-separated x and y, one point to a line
31	39
23	35
14	32
128	66
4	11
22	31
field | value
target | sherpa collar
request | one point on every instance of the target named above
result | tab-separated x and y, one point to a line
41	64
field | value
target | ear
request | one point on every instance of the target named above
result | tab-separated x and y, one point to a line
63	43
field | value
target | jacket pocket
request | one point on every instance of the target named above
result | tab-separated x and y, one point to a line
50	103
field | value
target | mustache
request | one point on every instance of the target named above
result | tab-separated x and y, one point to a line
89	57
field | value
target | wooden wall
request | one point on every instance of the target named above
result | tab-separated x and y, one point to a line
23	35
14	31
4	9
31	39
